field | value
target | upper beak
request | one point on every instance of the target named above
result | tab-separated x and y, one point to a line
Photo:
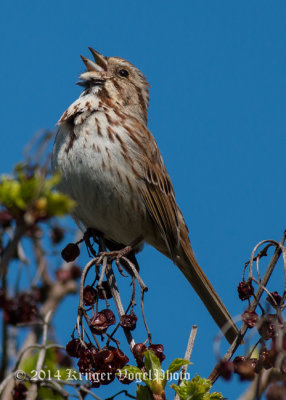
100	61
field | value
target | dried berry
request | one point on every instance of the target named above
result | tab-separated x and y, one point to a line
268	326
128	321
39	293
57	234
5	219
237	360
102	320
276	392
21	309
245	368
89	295
124	380
19	391
109	315
87	362
99	324
275	299
104	291
138	351
70	252
104	356
74	348
225	369
250	318
245	290
267	358
107	374
158	350
120	359
75	272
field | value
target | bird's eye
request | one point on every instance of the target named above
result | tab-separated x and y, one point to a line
123	72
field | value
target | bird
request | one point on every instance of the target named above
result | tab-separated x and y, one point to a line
111	166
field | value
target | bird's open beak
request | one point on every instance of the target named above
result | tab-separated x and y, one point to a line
100	63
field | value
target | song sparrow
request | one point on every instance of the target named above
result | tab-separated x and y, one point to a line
111	166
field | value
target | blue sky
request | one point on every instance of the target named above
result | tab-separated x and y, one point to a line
217	110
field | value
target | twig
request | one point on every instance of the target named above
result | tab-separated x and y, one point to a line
33	390
118	303
7	255
188	354
11	249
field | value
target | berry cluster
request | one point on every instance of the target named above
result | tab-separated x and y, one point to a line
20	309
140	348
100	365
272	341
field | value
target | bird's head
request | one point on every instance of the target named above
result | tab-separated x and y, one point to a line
118	80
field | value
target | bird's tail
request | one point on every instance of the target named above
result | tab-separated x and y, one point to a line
197	278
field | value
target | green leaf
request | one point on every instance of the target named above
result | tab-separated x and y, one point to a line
196	389
131	372
58	204
154	372
177	364
143	393
173	367
152	364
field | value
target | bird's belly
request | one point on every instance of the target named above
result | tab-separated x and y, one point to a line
96	175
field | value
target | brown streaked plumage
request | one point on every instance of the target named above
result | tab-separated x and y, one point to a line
123	188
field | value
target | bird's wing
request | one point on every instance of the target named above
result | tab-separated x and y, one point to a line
155	185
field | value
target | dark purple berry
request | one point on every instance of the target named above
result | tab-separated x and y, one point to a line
268	326
128	321
138	351
5	219
225	369
275	299
74	348
57	234
276	392
245	290
245	368
70	252
158	350
89	295
109	315
19	391
250	318
102	320
75	272
120	359
267	358
104	291
104	356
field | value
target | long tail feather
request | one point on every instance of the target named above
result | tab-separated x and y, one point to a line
197	278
